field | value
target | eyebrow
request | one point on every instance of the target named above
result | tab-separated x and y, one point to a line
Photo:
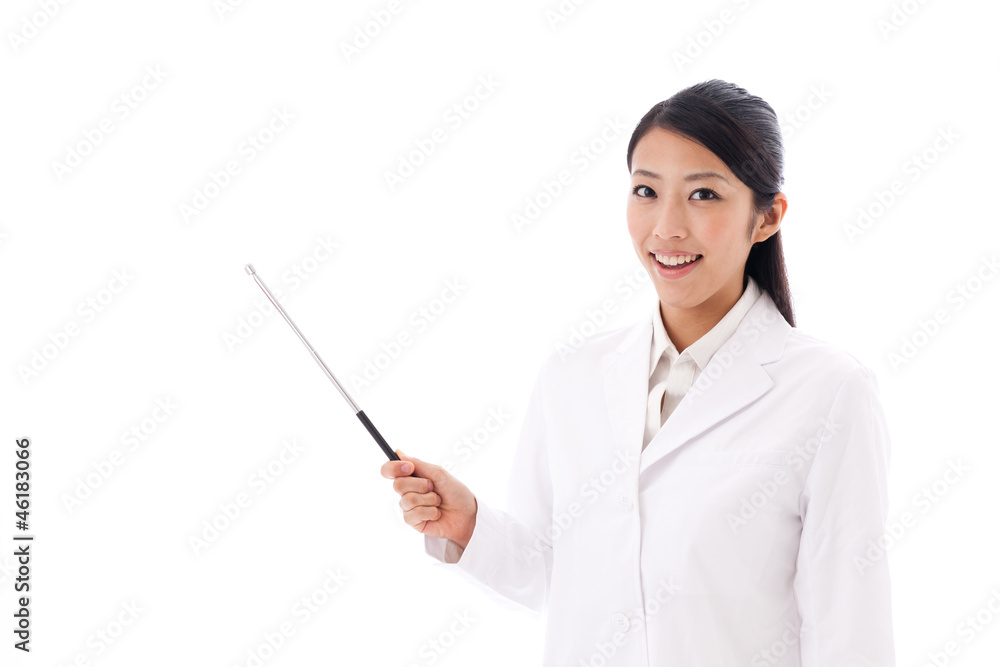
690	177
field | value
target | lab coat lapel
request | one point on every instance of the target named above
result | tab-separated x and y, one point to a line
733	378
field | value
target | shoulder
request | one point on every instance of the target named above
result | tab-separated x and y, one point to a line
593	353
806	355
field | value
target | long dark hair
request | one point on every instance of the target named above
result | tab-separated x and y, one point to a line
743	131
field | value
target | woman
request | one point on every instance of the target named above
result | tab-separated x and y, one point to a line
704	487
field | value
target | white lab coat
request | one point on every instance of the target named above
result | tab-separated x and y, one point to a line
748	531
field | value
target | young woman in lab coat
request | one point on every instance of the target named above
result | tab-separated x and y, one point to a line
706	486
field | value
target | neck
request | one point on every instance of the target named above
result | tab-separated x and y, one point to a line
684	326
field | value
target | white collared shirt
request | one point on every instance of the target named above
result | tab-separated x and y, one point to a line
674	375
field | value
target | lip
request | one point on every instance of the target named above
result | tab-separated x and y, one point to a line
671	274
671	253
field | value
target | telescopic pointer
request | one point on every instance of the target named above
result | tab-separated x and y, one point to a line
358	411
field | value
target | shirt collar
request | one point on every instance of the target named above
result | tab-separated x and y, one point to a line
703	349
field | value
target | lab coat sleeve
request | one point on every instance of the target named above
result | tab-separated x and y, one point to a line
510	552
841	583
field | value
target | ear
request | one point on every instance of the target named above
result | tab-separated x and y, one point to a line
770	221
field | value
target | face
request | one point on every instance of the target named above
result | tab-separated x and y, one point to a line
683	201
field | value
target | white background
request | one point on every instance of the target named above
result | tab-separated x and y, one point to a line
857	101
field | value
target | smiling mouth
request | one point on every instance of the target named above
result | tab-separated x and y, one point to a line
690	259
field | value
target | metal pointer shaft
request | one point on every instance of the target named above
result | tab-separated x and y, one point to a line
358	411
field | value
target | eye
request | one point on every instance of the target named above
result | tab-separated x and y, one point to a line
636	189
714	196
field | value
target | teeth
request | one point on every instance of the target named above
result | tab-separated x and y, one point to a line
675	259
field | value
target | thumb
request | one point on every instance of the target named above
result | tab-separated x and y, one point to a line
410	466
420	468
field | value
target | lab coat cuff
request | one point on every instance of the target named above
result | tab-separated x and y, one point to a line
442	549
479	556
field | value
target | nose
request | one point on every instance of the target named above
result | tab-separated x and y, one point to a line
671	220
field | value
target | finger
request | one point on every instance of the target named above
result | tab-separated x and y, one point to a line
393	469
411	500
421	468
403	458
421	514
415	484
